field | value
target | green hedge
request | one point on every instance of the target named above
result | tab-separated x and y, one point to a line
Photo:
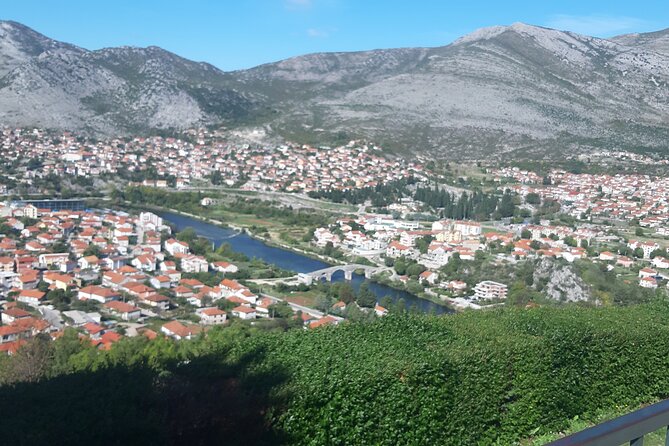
479	378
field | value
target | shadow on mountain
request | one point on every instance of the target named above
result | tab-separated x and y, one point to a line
200	402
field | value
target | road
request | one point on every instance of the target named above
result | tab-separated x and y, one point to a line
310	311
295	200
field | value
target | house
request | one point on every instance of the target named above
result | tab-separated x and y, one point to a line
244	312
429	276
6	264
160	282
624	261
380	311
87	262
457	285
660	262
98	293
648	282
27	281
175	247
46	260
488	290
31	297
327	320
177	330
144	262
194	264
126	311
607	256
10	333
396	249
95	331
262	306
467	228
224	267
183	291
229	287
212	316
12	314
157	300
647	272
113	280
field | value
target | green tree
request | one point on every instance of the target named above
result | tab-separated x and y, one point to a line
366	298
532	198
281	310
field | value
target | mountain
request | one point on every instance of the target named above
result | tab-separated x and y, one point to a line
516	88
519	89
114	90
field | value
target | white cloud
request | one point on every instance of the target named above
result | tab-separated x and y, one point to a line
318	33
596	24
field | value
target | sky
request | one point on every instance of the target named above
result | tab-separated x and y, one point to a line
234	34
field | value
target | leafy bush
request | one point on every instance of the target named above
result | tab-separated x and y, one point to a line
492	377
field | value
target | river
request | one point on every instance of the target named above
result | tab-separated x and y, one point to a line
251	247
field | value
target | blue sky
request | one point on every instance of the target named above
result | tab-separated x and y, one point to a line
240	34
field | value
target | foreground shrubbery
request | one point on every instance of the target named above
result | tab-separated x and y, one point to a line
478	378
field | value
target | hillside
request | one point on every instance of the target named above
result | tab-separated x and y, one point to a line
491	377
519	89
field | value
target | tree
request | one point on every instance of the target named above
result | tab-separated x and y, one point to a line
366	297
31	362
639	232
92	250
570	241
281	310
415	270
187	235
216	178
526	234
534	244
346	293
519	294
532	198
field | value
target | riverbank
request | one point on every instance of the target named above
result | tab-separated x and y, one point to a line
262	248
270	242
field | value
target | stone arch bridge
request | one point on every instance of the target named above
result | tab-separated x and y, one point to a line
326	273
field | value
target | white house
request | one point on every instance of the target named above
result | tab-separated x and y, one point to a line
212	316
126	311
244	312
488	289
175	247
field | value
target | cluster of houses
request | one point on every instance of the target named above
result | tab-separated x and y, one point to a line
129	268
378	237
198	154
616	197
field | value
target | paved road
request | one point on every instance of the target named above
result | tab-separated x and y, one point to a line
296	307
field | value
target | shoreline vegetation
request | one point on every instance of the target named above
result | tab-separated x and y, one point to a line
273	243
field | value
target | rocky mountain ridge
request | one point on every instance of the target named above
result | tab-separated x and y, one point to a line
519	89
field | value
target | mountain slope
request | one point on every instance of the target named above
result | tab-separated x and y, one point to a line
518	88
115	90
509	87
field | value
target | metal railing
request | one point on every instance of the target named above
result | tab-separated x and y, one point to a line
630	428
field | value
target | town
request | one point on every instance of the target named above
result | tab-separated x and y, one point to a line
199	155
115	273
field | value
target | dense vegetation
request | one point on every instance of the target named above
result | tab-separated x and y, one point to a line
380	195
476	206
491	377
190	202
